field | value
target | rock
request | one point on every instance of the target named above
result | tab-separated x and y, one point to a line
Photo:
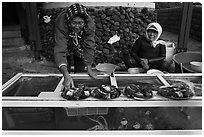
103	16
106	51
117	23
131	15
122	17
109	12
99	33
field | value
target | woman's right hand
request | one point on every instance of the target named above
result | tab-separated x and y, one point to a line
144	64
68	83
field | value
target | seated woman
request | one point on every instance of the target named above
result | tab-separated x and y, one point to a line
148	52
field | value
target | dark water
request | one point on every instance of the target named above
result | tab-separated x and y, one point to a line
32	86
154	118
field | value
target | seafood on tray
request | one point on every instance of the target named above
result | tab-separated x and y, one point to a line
106	92
139	90
198	89
78	93
178	90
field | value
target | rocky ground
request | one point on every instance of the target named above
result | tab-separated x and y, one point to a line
20	60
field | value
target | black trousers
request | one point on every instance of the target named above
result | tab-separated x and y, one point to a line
77	62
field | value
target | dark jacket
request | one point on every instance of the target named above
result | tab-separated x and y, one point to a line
143	49
62	43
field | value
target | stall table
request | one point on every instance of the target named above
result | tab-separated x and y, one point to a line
44	91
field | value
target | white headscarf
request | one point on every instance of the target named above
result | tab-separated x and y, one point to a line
158	28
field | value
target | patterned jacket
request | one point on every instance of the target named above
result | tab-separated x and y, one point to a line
63	43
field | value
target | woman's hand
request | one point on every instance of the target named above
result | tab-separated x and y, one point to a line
68	83
91	73
145	64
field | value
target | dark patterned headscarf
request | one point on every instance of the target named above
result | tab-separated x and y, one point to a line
73	11
76	9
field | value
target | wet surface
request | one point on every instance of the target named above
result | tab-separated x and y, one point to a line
32	86
158	118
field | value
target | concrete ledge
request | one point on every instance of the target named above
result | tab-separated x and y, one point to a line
50	5
13	48
11	34
12	42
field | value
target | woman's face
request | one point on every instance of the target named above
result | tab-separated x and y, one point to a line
77	24
152	34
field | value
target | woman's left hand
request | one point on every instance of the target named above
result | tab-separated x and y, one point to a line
91	73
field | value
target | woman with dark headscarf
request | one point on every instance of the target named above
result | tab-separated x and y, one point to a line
74	38
148	52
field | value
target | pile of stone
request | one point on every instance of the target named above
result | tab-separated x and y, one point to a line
127	22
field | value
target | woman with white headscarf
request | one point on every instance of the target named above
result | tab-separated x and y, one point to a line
148	52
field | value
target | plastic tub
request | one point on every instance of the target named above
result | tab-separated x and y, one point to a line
185	57
136	70
196	65
106	67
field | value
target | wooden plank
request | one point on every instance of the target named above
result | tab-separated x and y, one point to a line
168	75
46	99
11	81
57	96
20	98
40	75
51	99
59	87
86	76
185	26
100	103
113	132
188	24
33	27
